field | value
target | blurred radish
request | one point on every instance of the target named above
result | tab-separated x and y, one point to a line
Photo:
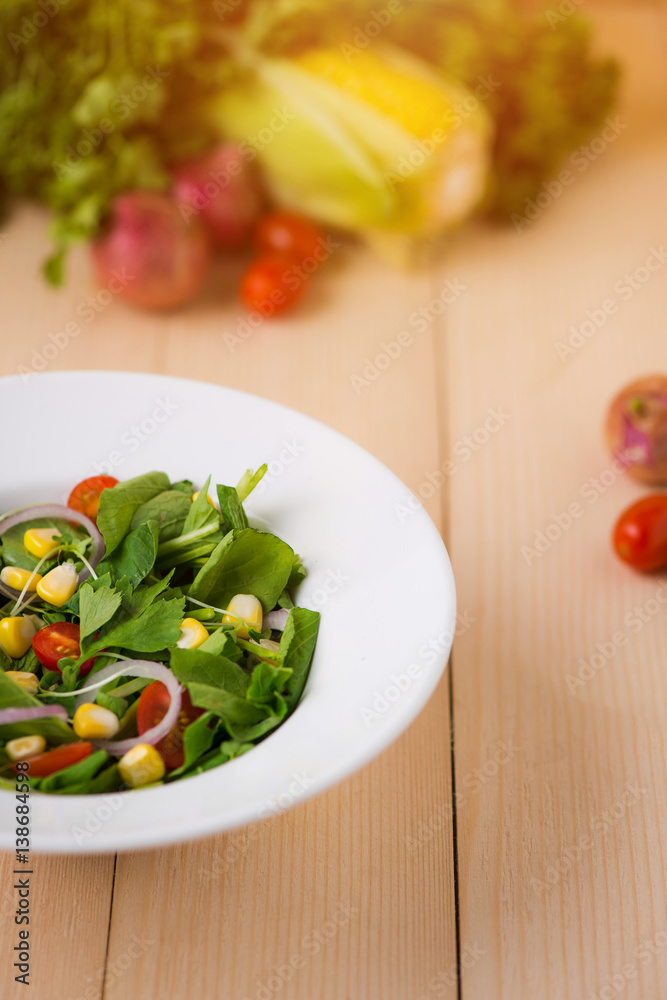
164	257
637	428
222	189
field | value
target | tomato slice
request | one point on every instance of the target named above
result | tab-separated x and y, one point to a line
55	760
85	497
291	234
57	640
154	701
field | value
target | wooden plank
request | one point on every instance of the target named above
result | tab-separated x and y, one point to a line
561	840
340	865
350	848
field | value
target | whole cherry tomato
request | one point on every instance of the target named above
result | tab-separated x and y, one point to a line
271	285
640	535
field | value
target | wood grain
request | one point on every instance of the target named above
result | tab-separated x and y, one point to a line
561	846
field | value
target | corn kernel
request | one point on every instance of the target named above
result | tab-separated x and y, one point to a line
58	585
93	722
141	765
208	497
24	679
193	634
25	747
15	577
244	612
16	636
40	541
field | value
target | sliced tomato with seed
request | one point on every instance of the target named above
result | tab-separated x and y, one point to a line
54	760
85	497
154	702
55	641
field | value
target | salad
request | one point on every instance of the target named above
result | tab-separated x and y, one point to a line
148	633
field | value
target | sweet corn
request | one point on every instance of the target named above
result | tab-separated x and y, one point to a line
16	636
24	679
208	497
40	541
193	634
17	578
93	722
141	765
25	747
58	585
244	612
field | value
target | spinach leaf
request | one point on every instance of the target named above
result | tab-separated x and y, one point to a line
169	509
197	740
118	505
27	662
299	573
231	509
242	719
296	650
96	607
75	774
184	486
135	556
12	696
195	666
245	562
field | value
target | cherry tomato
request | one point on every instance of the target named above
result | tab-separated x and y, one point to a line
85	497
640	535
292	235
271	285
153	704
55	641
55	760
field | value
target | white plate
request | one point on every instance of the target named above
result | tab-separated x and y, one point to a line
383	585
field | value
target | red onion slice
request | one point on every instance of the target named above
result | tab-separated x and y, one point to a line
276	619
136	668
10	715
61	513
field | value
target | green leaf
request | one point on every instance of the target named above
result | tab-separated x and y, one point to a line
297	646
231	509
222	641
266	684
96	607
142	623
196	666
135	556
184	486
75	774
197	740
201	512
243	720
54	731
298	574
245	562
118	505
169	509
116	705
27	662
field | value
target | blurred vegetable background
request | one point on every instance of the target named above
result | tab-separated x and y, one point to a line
393	119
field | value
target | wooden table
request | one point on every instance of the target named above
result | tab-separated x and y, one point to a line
510	844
